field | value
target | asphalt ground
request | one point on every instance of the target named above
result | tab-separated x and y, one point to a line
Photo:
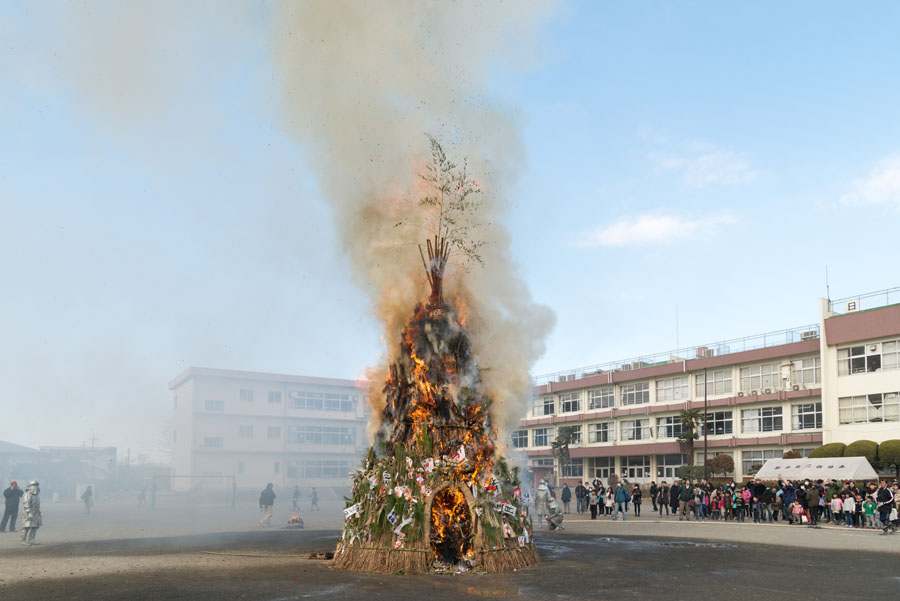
271	565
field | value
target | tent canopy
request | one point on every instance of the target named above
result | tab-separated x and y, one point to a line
833	468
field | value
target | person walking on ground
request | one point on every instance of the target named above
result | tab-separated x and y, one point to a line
295	499
88	498
314	500
31	507
592	501
266	501
621	497
636	496
11	495
566	497
884	500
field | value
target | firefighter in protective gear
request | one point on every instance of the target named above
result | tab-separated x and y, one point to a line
31	506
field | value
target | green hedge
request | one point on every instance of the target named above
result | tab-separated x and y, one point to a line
889	454
863	448
835	449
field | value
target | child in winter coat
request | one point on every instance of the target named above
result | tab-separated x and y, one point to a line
837	509
849	511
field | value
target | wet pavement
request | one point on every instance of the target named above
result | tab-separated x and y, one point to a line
270	566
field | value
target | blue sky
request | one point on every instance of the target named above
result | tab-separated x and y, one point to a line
710	156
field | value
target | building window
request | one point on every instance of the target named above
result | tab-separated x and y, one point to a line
543	406
719	382
245	431
570	402
320	435
274	396
246	395
806	416
214	405
765	419
273	432
719	422
318	469
519	439
890	355
542	436
667	465
753	460
601	467
602	398
344	403
576	434
573	469
711	454
636	466
806	371
804	452
636	394
213	442
277	467
240	467
860	359
636	429
602	432
760	377
869	408
310	401
543	462
672	389
669	427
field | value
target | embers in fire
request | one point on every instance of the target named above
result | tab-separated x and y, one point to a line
451	526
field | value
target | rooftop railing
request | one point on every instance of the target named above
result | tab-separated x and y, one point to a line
861	302
715	349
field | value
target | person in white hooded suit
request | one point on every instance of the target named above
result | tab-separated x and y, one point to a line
31	506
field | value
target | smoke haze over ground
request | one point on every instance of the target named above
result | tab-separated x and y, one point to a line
156	172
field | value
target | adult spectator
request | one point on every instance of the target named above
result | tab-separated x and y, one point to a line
884	501
654	491
566	497
12	495
663	495
674	493
636	496
620	498
684	498
788	498
812	505
266	502
581	492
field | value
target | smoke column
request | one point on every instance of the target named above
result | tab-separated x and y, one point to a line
363	83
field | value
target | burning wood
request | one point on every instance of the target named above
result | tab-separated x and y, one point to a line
436	496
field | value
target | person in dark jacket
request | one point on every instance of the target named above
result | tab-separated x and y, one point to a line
12	496
788	498
636	495
581	492
812	505
566	497
674	492
685	492
663	495
266	501
884	499
654	491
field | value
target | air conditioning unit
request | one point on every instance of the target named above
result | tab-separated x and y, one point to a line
767	391
740	393
754	392
796	387
637	365
626	367
809	335
873	348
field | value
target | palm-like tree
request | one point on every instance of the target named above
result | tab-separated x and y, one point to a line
564	438
690	420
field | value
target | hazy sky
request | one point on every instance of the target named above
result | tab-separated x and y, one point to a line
156	215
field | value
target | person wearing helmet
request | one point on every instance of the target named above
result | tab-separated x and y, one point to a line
31	506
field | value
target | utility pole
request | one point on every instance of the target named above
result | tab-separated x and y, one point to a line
705	424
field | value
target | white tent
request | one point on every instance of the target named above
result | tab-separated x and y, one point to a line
833	468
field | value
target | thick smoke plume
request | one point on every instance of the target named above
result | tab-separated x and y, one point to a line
363	84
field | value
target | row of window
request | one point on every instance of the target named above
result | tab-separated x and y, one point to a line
804	416
867	358
755	377
639	466
318	469
867	408
310	401
295	435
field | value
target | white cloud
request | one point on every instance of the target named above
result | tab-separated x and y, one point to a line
650	229
880	187
701	165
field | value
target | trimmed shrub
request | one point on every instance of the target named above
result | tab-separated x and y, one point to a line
792	455
889	455
834	449
863	448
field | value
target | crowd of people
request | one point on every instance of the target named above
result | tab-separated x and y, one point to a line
872	505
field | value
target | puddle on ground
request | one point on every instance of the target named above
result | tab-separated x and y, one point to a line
556	549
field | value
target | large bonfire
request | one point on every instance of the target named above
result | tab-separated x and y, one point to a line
432	494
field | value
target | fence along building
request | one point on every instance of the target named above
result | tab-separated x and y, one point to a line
261	427
835	381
